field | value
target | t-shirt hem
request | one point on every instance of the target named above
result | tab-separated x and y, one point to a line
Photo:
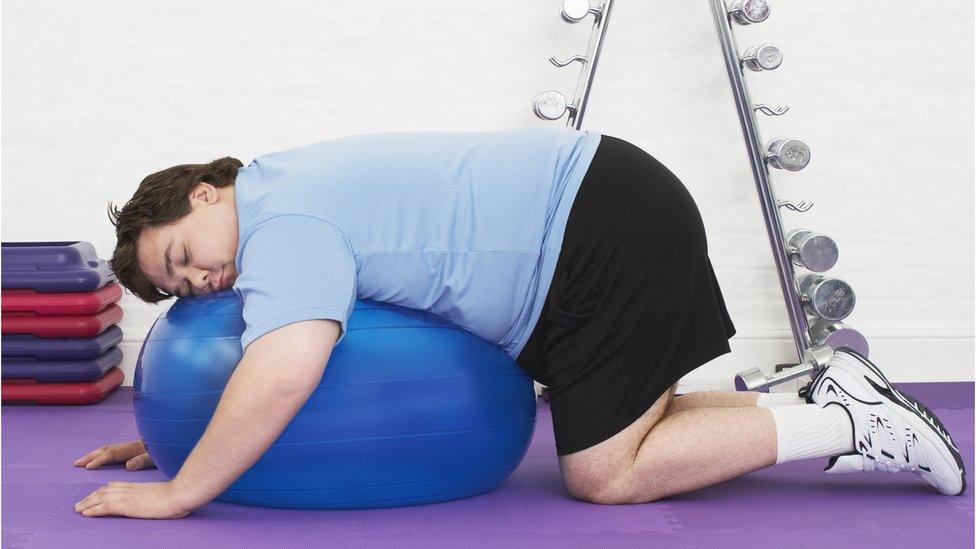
552	244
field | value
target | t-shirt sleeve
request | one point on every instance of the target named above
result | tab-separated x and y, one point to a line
293	268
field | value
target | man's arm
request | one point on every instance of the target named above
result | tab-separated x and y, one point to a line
278	373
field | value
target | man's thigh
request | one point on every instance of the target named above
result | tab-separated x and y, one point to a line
587	472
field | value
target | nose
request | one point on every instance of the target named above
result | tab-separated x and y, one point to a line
201	281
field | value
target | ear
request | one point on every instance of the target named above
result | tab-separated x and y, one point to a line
205	192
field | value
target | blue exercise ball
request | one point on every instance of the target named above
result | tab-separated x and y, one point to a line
411	409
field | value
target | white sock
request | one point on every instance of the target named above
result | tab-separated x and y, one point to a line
770	400
809	431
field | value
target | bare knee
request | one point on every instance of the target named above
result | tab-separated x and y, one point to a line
619	492
591	495
599	473
585	487
620	488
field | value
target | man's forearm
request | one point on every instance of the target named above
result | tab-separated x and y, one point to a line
255	408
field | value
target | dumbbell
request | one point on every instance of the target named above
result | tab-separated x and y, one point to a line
826	337
838	334
766	57
814	359
550	105
814	251
747	12
828	298
573	11
791	155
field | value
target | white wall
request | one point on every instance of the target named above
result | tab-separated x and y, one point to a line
98	94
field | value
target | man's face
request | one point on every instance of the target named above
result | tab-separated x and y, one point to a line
196	254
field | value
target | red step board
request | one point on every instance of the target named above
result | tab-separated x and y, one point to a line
76	303
61	326
88	392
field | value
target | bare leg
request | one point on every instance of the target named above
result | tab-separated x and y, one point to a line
661	454
694	448
713	399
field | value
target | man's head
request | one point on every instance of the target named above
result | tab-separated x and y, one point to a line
178	233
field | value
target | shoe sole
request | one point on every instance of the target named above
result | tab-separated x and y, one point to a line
912	405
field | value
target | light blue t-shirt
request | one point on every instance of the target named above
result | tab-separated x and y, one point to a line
467	225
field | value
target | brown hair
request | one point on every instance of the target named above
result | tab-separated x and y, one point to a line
162	198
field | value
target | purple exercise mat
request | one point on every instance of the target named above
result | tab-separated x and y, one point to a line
60	348
50	371
54	266
790	505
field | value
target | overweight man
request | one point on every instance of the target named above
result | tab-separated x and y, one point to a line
579	254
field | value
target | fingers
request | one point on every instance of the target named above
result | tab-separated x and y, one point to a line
99	510
84	460
142	461
92	499
102	496
128	499
110	453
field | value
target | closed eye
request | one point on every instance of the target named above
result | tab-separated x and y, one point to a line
186	261
185	286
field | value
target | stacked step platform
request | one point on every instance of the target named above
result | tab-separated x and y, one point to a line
60	324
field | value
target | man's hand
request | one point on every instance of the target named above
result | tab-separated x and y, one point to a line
278	373
152	500
133	454
271	383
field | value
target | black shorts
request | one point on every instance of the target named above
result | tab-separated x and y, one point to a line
633	305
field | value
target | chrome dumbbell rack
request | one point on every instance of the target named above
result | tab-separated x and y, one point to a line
552	105
828	300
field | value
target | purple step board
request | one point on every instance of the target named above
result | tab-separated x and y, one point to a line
60	348
50	371
54	266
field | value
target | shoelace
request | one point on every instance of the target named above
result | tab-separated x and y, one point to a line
926	414
931	419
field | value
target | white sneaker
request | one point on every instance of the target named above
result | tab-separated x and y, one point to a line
892	431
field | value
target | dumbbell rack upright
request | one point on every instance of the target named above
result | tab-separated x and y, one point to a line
828	300
551	104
